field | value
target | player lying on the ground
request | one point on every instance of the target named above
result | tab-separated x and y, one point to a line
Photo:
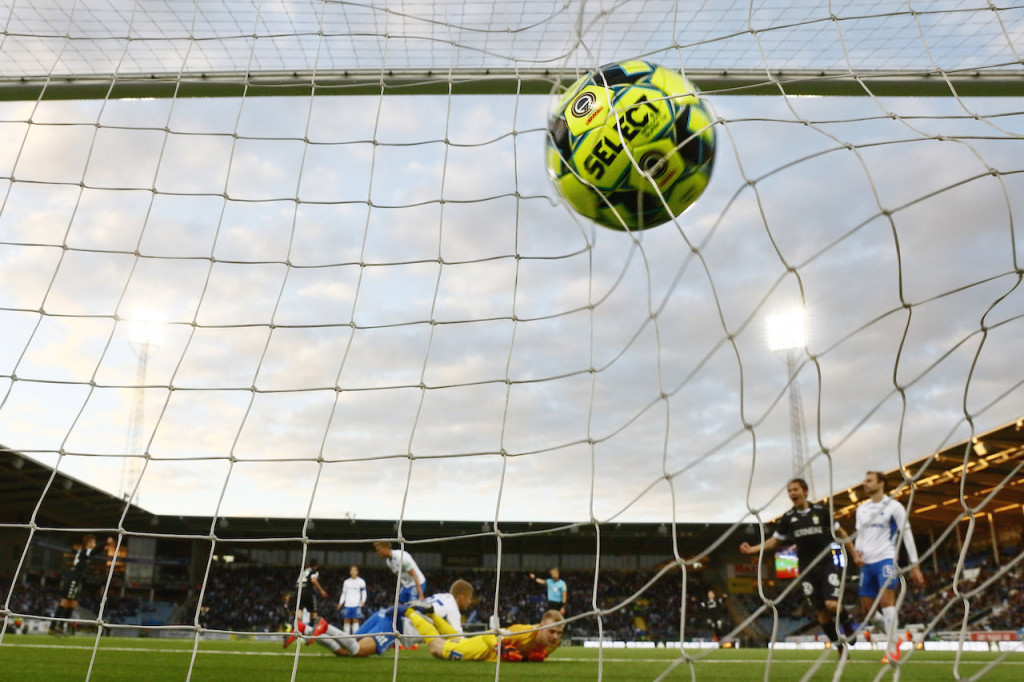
377	634
517	643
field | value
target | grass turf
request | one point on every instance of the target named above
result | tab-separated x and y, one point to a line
115	659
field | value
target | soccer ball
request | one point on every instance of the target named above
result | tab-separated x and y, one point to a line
631	145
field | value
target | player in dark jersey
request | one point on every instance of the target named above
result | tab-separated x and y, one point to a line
72	582
308	584
808	526
714	610
308	589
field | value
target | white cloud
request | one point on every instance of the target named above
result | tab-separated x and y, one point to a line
608	411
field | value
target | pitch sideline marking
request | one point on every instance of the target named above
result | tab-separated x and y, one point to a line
575	660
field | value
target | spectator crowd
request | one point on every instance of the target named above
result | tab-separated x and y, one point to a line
625	605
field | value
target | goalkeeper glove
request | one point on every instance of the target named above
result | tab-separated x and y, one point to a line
537	656
510	654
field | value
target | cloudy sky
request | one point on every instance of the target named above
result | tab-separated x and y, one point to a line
379	307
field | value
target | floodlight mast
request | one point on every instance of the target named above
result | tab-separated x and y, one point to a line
787	332
145	335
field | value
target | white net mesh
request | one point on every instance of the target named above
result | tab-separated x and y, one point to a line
376	307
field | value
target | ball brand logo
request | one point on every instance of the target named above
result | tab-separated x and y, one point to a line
583	104
624	133
651	164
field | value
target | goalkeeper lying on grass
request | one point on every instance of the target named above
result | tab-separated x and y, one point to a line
517	643
377	634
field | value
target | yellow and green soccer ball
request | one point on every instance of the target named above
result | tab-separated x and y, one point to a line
631	145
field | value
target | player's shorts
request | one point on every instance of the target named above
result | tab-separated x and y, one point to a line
821	584
555	606
381	627
876	577
307	600
407	594
351	613
71	589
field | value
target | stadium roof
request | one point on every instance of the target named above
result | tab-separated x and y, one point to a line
34	495
977	477
985	469
28	487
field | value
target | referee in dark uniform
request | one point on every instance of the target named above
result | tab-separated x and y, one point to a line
809	527
72	582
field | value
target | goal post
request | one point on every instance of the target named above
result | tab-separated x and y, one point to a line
372	302
494	81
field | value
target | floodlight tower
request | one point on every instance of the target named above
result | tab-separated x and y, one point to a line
788	332
145	335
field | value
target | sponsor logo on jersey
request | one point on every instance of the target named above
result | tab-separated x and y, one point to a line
801	532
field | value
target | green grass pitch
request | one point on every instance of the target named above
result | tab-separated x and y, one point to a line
28	657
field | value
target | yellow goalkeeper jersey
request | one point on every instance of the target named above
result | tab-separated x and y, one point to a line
485	647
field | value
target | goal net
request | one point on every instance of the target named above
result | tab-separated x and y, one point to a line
302	260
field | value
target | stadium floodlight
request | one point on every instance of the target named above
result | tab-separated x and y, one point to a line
787	332
145	335
145	329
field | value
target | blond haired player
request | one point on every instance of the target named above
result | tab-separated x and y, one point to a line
401	563
377	634
517	643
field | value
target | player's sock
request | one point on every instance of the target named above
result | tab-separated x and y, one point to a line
331	644
58	626
878	622
846	625
889	618
829	629
889	621
335	638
